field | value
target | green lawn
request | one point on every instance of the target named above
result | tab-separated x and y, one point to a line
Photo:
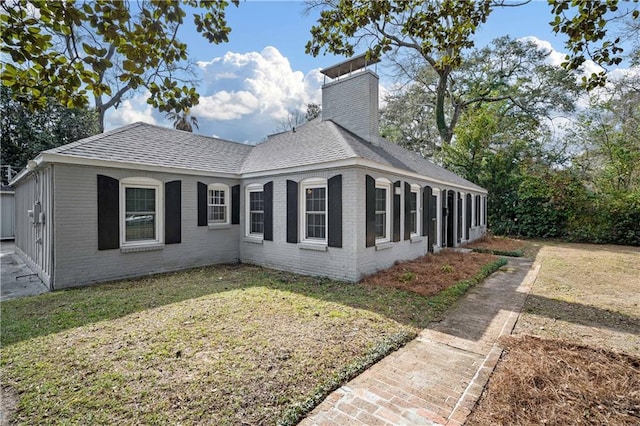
216	345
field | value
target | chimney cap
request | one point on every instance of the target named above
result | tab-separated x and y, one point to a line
346	67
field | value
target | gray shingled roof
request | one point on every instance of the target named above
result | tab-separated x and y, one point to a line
147	144
312	143
323	141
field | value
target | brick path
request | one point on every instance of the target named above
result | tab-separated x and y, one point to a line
437	378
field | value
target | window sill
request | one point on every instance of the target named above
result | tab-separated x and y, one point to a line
139	248
384	245
312	246
416	239
219	226
254	240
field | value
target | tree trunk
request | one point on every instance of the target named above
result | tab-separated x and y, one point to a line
445	131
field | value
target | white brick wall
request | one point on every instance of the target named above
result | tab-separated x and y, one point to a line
77	258
78	261
352	102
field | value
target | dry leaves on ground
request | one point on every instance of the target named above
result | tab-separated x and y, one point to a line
432	273
552	382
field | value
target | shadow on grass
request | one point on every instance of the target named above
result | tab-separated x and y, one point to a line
580	314
30	317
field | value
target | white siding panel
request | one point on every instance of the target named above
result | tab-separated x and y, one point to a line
34	236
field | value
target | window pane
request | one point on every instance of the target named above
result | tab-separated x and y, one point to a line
315	198
256	201
381	225
316	225
140	214
140	200
217	214
256	223
381	199
413	210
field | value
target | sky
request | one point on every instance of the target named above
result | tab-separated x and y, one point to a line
249	85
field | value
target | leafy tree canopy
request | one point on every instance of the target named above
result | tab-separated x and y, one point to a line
25	133
513	74
437	32
72	50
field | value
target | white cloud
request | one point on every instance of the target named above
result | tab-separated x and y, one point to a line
130	111
255	90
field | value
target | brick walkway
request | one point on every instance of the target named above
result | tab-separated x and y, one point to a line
437	378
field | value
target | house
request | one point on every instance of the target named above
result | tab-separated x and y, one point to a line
329	198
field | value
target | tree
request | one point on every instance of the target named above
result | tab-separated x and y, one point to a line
26	133
313	111
295	118
74	50
511	73
436	33
183	121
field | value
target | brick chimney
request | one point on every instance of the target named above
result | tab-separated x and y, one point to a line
351	98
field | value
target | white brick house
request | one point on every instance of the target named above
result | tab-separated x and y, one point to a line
329	198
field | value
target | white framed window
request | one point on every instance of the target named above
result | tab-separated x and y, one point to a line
383	210
414	210
254	210
313	210
218	204
141	212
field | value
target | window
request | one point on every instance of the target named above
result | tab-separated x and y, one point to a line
383	210
255	210
314	209
141	211
414	209
218	204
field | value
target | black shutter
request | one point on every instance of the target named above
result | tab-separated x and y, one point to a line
426	212
268	211
202	204
108	213
172	212
370	214
235	205
292	211
407	211
334	187
396	212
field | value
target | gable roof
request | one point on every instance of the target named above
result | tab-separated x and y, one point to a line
314	143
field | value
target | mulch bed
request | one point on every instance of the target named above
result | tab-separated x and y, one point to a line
490	242
553	382
430	274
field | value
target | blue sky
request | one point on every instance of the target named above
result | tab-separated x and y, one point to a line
248	85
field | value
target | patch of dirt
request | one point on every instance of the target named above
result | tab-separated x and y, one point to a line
552	382
430	274
8	403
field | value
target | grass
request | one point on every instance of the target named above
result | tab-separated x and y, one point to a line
575	355
219	345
